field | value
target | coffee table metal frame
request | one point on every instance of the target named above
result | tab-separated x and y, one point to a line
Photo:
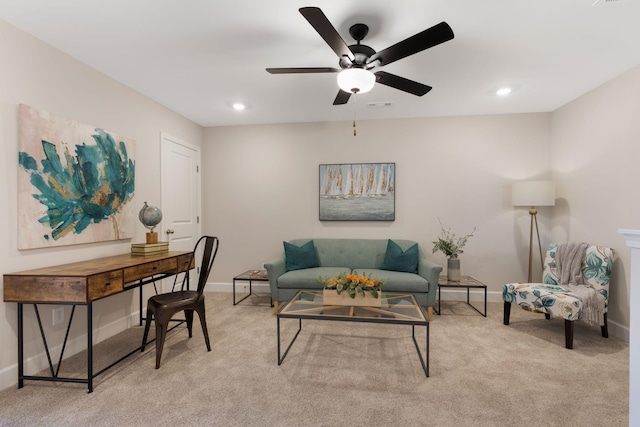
315	312
467	282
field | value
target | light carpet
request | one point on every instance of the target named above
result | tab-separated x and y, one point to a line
482	374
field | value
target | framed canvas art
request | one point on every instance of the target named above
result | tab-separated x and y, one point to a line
75	183
357	192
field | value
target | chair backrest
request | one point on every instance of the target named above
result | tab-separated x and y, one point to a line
211	245
596	268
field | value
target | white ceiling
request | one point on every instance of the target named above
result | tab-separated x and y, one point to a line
197	57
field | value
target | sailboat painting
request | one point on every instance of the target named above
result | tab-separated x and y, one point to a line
357	192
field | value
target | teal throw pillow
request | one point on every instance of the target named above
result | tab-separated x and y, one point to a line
299	257
398	260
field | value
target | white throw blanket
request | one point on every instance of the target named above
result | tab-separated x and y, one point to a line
569	260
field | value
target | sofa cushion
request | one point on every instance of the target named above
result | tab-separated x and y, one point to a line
309	278
396	259
300	257
398	281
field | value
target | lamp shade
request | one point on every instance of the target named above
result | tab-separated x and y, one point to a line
533	193
356	80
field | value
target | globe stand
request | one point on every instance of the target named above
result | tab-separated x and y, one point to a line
152	237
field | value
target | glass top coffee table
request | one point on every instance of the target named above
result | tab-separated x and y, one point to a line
398	309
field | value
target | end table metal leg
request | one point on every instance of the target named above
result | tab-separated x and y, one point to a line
234	291
485	301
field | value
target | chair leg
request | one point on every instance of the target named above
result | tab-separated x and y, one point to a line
188	314
161	334
604	328
507	312
203	322
146	330
568	334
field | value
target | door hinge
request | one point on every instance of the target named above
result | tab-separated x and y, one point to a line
197	220
198	169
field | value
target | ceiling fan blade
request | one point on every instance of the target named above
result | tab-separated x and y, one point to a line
430	37
319	21
401	83
301	70
342	97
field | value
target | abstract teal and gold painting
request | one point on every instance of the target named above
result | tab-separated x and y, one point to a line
76	182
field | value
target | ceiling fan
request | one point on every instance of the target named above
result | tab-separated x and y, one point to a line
357	60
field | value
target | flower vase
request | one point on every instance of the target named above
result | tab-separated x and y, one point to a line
453	268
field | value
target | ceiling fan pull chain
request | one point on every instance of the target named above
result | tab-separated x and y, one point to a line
355	104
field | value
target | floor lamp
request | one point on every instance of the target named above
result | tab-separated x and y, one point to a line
533	194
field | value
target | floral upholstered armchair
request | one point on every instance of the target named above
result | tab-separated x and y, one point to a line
587	302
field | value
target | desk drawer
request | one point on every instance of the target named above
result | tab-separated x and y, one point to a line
104	284
148	269
183	263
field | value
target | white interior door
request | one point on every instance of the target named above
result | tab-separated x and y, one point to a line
181	204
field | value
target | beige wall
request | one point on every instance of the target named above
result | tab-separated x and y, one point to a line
35	74
261	186
594	156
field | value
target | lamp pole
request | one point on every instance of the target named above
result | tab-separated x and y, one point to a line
534	219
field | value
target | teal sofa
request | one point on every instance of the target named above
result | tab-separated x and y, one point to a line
365	256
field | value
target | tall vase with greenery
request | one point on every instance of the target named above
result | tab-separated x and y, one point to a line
451	245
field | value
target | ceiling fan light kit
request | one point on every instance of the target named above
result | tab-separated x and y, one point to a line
356	80
356	60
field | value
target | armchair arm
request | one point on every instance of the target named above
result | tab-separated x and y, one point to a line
275	269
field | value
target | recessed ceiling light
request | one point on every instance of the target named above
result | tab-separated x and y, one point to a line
238	106
503	91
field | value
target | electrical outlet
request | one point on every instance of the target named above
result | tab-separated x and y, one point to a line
58	315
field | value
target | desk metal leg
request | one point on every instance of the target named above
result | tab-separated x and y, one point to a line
20	347
140	307
90	347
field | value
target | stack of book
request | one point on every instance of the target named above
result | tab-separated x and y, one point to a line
149	248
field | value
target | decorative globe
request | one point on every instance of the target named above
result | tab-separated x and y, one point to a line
150	216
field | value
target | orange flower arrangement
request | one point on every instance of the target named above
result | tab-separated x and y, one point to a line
353	284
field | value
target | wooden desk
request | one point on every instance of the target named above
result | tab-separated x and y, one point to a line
82	283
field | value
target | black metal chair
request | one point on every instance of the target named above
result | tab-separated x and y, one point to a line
163	307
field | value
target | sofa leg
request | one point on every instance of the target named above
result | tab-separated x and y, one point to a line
547	316
430	313
568	334
604	328
276	304
507	313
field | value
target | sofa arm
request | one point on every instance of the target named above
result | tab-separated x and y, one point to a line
430	271
275	269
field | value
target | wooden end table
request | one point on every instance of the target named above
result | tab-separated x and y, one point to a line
467	282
